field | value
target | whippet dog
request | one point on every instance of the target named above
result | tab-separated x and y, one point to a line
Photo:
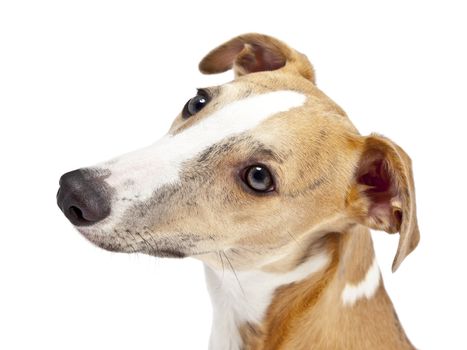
267	182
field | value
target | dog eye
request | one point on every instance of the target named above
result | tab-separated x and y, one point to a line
259	178
195	104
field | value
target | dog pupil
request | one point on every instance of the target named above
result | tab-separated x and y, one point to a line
200	103
259	175
259	178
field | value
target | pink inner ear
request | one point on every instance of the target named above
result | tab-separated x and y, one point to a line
250	54
257	58
382	189
376	176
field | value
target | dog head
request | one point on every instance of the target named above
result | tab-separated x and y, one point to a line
247	167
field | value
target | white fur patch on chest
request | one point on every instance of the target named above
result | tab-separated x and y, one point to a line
365	288
246	295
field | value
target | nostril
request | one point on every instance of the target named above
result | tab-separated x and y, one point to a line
76	213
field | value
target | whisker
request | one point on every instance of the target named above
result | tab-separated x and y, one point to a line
296	241
134	240
155	242
145	241
223	267
235	274
133	249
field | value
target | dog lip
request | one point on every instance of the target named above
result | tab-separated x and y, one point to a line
91	236
169	253
96	240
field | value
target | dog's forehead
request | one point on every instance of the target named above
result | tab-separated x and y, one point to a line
238	107
275	109
257	97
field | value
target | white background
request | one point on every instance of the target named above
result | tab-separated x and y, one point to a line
83	81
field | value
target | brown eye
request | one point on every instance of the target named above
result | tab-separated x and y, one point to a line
195	104
259	178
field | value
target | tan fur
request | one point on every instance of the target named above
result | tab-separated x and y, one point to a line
310	315
332	185
402	201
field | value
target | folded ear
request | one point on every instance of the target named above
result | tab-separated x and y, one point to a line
253	52
382	195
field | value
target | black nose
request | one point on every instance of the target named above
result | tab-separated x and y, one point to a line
83	198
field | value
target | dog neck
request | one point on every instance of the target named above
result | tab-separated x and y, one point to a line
318	302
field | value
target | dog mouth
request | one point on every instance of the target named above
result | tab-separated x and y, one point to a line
131	243
170	253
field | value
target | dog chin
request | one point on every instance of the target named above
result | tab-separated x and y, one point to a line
104	241
169	253
114	244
